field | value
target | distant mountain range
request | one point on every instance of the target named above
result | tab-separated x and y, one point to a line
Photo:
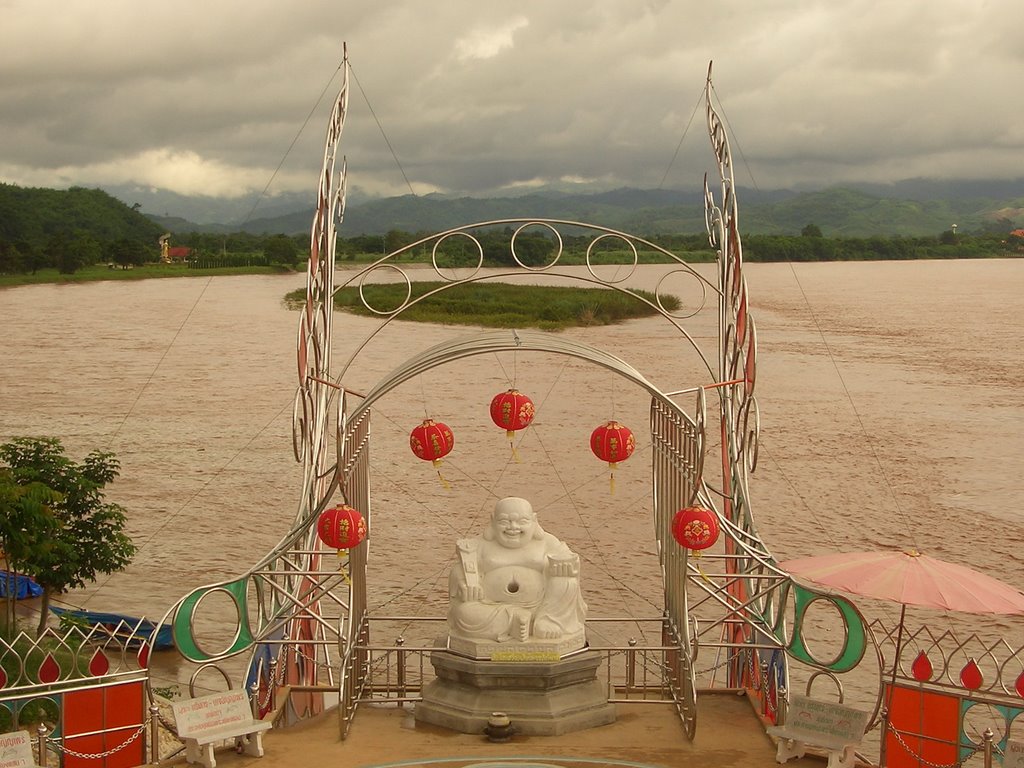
910	208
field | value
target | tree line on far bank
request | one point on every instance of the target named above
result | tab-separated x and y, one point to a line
66	230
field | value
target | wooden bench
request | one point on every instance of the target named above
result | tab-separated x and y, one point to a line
16	750
205	721
830	726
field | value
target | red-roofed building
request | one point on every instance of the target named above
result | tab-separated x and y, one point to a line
178	254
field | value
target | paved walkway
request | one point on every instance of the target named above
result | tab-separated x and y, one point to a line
644	736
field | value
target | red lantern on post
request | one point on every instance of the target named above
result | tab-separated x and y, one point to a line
431	441
695	528
612	442
512	411
341	527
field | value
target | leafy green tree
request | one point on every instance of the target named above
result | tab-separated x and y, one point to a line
90	539
125	253
11	260
281	249
811	230
27	526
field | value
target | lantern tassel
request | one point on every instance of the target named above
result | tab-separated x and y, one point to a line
696	564
341	569
437	466
611	477
511	435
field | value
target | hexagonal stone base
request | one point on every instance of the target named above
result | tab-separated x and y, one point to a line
545	698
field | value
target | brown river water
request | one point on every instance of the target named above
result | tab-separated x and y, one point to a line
891	415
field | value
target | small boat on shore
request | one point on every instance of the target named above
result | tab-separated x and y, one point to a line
132	630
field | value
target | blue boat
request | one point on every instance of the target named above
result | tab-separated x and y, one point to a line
22	586
133	630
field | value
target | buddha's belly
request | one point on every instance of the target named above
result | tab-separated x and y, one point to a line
513	584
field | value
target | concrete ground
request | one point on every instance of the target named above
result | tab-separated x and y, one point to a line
644	736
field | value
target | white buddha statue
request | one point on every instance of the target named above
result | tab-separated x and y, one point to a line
516	583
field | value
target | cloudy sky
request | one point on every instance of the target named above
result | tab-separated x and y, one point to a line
475	96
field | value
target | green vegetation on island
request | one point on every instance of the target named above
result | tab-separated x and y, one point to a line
498	305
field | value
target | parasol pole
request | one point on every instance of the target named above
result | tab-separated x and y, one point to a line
892	678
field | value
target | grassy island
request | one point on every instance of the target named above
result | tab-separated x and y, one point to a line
500	305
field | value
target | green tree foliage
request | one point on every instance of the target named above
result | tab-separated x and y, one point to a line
125	253
89	538
281	249
50	222
28	526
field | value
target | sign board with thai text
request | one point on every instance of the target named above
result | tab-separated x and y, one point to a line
1013	754
16	750
194	717
825	721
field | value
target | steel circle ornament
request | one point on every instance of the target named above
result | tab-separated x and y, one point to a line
431	441
341	527
695	528
512	411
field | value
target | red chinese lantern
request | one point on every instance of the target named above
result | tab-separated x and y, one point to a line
612	442
695	528
512	411
431	441
341	527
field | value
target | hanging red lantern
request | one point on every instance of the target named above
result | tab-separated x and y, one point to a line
512	411
341	527
431	441
612	442
695	528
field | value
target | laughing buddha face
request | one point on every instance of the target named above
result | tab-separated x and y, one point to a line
514	523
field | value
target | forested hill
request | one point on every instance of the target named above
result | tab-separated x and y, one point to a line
837	212
30	218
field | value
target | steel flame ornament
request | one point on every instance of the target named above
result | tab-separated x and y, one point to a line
512	411
341	527
431	441
612	442
695	528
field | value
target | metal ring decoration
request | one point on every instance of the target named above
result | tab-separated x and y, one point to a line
408	290
632	269
299	430
183	628
854	638
479	261
200	670
681	315
751	432
558	251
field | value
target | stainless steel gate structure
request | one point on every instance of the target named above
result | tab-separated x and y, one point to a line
303	621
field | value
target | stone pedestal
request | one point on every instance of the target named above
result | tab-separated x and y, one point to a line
541	698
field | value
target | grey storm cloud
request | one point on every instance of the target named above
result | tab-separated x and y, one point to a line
471	97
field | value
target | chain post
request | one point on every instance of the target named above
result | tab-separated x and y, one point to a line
154	733
987	740
782	708
631	666
399	642
764	688
273	684
41	744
